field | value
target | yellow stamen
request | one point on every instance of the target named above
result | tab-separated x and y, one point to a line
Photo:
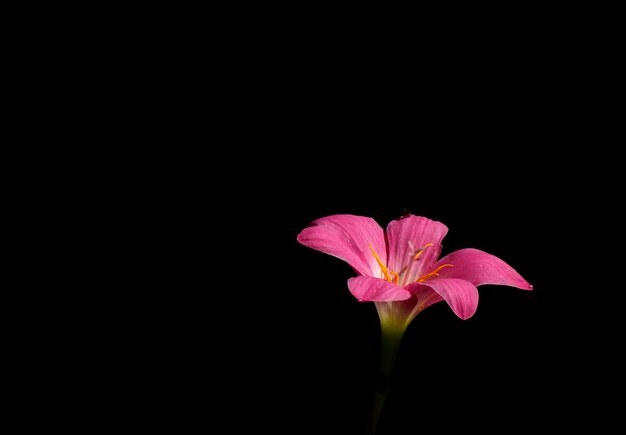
382	266
396	277
421	251
433	273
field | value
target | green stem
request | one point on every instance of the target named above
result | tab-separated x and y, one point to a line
390	343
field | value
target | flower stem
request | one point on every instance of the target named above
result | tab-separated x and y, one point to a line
390	343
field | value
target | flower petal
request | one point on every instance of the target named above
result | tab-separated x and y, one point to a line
348	237
425	295
408	235
480	268
461	295
366	288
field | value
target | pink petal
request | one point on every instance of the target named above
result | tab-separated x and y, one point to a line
366	288
425	295
419	231
480	268
349	238
461	295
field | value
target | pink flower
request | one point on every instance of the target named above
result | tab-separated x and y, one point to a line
399	268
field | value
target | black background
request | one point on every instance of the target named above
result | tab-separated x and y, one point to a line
207	307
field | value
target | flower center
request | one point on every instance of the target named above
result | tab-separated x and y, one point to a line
394	277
